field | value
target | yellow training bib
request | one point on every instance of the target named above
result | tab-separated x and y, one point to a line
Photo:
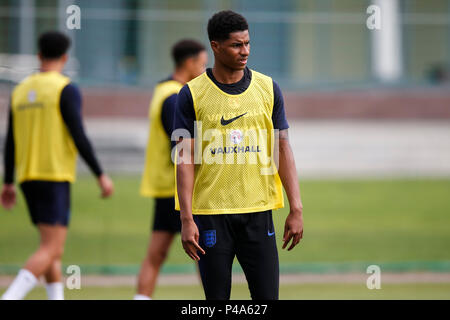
44	149
237	173
158	178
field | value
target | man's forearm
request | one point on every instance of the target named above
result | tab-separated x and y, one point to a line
185	177
288	174
185	186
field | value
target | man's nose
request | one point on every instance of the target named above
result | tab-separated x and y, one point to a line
245	51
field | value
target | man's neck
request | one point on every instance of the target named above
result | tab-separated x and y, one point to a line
47	66
181	76
226	75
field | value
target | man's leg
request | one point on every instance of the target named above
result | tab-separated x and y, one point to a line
166	223
51	249
158	249
257	253
215	272
53	278
54	273
216	265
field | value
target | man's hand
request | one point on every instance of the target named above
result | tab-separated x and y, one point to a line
106	185
189	239
8	196
293	229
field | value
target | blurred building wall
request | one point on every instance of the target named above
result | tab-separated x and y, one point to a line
426	36
301	43
330	44
319	51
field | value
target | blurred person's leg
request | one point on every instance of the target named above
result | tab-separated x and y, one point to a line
166	224
53	278
49	208
50	250
158	249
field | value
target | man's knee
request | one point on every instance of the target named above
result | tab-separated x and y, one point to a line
158	256
58	253
53	251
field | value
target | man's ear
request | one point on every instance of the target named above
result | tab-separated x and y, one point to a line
215	46
39	56
187	64
65	57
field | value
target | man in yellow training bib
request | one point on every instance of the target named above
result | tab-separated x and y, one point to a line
158	180
45	133
229	186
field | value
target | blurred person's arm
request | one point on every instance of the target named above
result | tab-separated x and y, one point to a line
168	115
293	228
8	193
185	119
70	106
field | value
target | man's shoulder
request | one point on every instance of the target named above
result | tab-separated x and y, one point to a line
263	82
167	87
185	95
260	75
71	89
23	86
24	82
198	81
53	77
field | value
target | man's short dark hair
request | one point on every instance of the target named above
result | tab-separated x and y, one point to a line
53	44
223	23
184	49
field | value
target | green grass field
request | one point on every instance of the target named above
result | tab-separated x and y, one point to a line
402	222
287	292
345	221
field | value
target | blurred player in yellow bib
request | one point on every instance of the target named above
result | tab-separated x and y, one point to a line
45	134
229	186
158	180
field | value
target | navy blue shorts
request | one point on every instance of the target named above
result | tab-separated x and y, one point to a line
48	201
250	237
166	218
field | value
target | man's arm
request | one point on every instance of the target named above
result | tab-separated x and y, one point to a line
293	228
168	115
8	194
185	186
70	106
185	119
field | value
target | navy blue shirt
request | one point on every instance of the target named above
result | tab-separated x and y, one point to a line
70	106
185	113
168	113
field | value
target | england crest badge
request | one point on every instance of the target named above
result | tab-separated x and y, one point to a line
209	238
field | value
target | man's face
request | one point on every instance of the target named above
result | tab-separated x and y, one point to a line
198	64
234	51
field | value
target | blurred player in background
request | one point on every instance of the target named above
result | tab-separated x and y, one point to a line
45	131
232	202
158	180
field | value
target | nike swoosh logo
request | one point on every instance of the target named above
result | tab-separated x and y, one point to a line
225	122
270	234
